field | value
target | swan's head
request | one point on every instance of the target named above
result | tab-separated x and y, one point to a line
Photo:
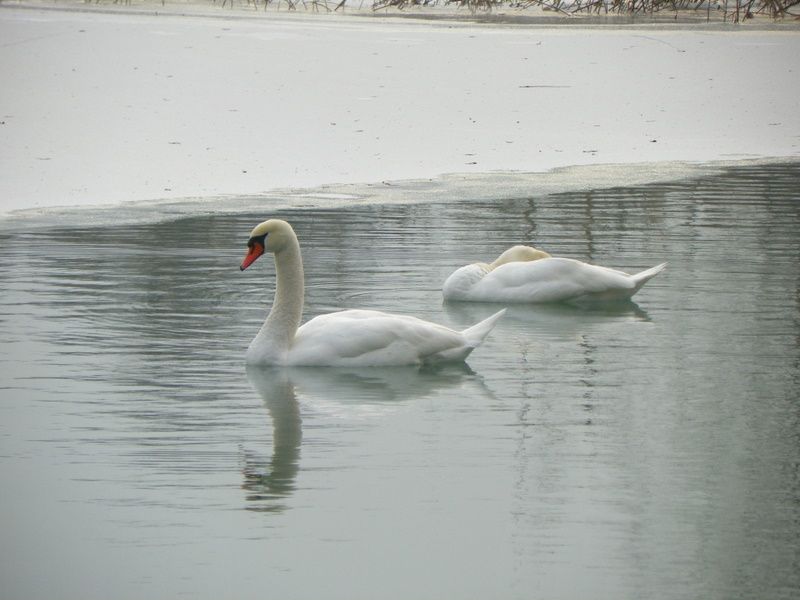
519	254
270	236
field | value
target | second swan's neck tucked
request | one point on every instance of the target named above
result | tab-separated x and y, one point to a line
277	334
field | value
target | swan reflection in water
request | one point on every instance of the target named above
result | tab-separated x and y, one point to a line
352	394
268	482
556	319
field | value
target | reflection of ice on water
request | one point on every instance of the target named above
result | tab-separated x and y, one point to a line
353	395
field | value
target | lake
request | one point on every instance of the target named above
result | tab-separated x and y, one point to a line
648	449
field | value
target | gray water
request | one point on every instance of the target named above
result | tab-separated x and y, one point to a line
647	450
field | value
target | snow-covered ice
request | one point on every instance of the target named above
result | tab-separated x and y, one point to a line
105	106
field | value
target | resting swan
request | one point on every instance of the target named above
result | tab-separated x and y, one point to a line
347	338
525	274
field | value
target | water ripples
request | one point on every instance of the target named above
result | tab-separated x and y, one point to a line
618	443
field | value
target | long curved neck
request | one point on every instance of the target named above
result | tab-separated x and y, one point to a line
281	325
287	308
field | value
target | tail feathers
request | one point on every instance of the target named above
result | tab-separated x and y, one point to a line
478	332
644	276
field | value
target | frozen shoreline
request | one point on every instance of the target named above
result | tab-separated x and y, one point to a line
103	107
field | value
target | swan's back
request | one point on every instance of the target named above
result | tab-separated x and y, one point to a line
374	338
551	280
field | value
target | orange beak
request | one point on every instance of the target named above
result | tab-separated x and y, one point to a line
255	249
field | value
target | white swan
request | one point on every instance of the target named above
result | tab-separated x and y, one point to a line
525	274
346	338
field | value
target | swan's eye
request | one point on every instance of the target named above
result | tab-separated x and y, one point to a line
258	239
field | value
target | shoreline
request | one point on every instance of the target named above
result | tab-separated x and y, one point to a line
103	107
445	188
452	15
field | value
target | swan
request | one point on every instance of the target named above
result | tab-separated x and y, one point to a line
526	274
349	337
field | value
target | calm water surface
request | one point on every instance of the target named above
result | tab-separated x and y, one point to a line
647	450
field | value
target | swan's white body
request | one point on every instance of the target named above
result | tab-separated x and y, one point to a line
525	274
347	338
